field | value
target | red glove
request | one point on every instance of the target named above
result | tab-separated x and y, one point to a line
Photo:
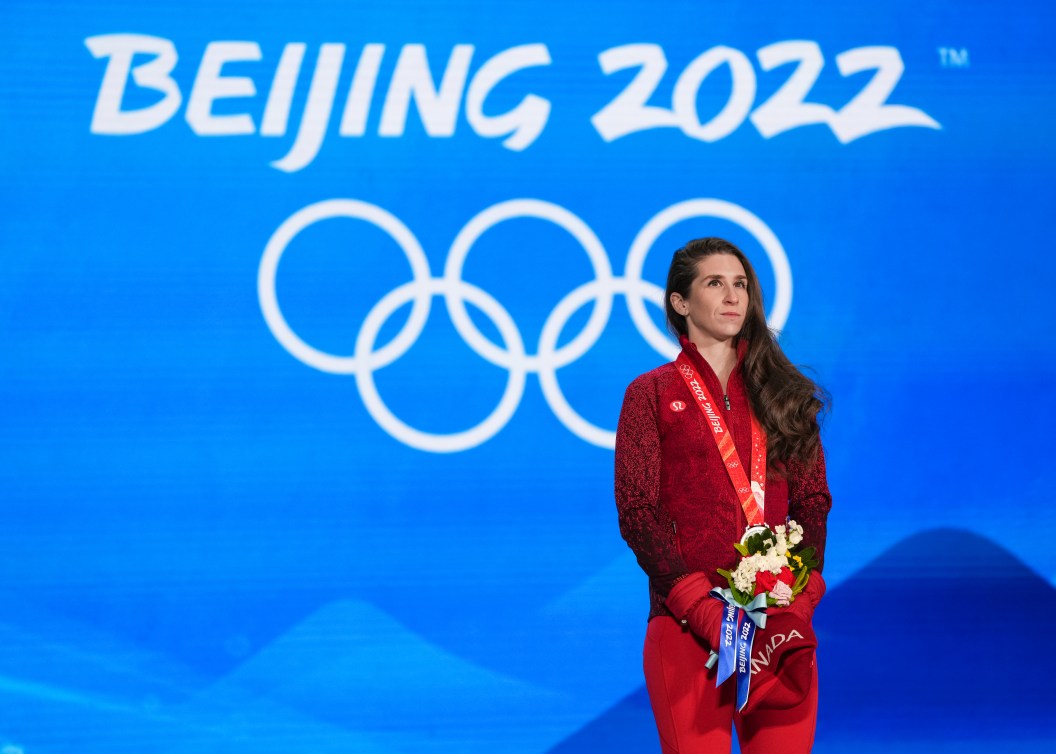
805	602
783	652
782	662
691	605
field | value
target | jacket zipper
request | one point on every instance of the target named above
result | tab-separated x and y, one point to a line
678	540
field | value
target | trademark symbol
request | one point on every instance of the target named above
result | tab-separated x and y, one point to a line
951	57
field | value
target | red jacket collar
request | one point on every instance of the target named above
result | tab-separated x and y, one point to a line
691	349
735	384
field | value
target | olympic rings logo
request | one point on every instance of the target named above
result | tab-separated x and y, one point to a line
456	292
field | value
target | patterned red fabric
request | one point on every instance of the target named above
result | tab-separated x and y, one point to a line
677	508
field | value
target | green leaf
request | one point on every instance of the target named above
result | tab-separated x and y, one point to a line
757	543
741	549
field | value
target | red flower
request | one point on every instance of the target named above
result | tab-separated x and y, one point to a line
764	582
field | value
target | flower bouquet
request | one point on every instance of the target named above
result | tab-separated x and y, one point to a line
770	564
772	570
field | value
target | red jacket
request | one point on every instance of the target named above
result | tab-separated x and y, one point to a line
677	507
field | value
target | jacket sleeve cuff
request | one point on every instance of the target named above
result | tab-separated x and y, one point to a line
687	593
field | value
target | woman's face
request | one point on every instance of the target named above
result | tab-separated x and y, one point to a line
717	302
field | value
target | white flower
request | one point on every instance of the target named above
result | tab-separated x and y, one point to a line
775	561
782	544
744	574
743	578
795	534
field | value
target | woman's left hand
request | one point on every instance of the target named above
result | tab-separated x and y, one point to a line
805	602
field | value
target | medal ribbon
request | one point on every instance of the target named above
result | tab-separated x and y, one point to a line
751	494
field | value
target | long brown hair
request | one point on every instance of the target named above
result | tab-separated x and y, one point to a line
785	401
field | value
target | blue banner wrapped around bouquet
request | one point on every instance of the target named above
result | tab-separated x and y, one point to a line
744	651
735	640
731	616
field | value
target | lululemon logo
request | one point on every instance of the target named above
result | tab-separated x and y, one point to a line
678	406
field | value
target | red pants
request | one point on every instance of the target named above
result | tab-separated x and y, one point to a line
694	717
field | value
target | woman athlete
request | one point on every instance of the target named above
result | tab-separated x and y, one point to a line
680	513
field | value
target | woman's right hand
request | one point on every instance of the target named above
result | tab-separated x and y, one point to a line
691	604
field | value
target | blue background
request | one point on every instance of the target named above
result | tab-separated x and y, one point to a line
210	545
